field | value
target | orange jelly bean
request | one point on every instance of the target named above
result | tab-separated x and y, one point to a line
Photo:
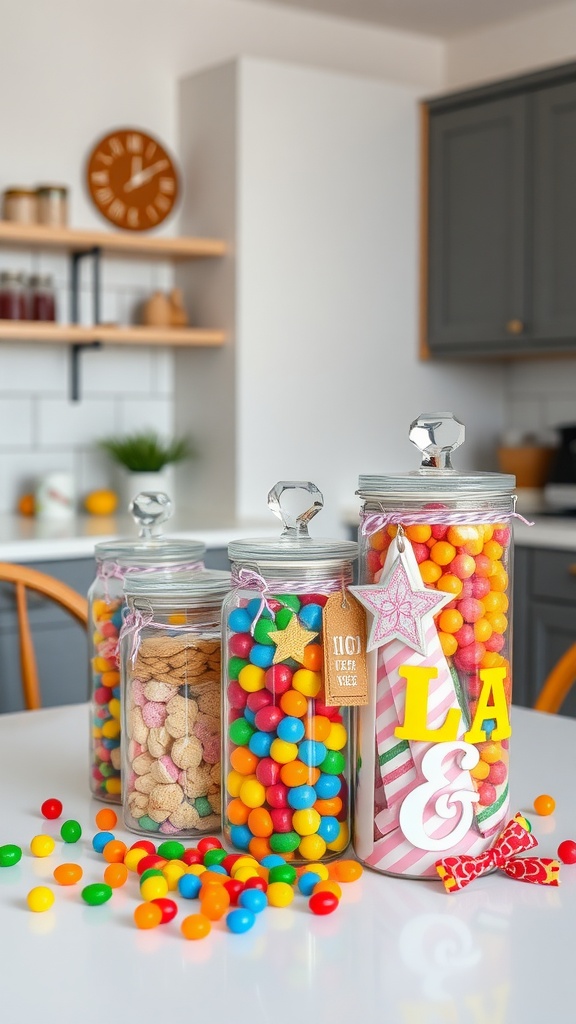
195	926
67	874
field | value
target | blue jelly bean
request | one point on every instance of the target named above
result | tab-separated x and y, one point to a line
291	729
100	839
312	752
327	786
329	828
240	920
109	744
300	797
310	616
239	620
262	655
255	606
249	715
240	836
118	618
307	881
260	743
488	725
272	860
218	869
253	899
116	690
189	886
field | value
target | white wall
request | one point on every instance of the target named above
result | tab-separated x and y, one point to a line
70	70
322	213
540	393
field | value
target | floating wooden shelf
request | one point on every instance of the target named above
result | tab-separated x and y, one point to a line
108	334
127	244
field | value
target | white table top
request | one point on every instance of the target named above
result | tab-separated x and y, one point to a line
395	951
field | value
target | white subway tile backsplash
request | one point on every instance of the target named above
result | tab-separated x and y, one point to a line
540	376
93	469
141	414
117	371
524	413
29	369
71	424
163	371
15	422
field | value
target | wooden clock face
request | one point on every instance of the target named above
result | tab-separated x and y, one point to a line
132	180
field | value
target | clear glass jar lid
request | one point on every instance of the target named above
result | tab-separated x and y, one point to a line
436	435
294	545
208	586
150	509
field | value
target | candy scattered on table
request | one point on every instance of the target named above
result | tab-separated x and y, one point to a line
42	846
40	898
544	804
51	808
567	851
71	831
10	854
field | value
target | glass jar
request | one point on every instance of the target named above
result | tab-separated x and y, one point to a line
286	740
20	205
115	561
435	578
170	663
52	205
13	299
42	299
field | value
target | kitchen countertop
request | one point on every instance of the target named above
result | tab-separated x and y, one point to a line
28	539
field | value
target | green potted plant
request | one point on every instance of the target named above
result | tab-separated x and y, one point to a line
143	458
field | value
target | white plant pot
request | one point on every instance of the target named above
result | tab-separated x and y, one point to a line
132	484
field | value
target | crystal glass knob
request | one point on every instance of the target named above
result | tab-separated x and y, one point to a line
149	510
437	435
295	503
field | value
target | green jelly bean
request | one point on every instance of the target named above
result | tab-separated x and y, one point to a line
96	894
333	764
283	617
214	857
9	855
235	666
284	842
171	849
262	629
71	831
149	873
283	873
240	732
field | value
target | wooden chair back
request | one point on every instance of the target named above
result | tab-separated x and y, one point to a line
25	579
558	683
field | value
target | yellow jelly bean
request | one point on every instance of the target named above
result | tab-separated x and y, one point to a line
341	842
312	847
283	752
42	846
337	737
111	729
133	857
319	869
251	678
154	887
114	707
234	781
279	894
253	793
113	786
40	898
172	871
307	682
305	822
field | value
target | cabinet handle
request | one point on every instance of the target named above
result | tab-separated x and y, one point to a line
515	327
572	569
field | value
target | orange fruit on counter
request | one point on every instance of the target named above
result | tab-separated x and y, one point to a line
101	503
26	505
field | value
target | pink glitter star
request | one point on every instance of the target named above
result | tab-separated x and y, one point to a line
398	606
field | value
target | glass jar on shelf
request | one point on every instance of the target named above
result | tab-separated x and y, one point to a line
52	205
286	733
20	205
171	721
13	296
435	570
115	561
42	299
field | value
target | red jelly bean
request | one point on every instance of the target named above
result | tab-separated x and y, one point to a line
208	843
151	861
168	908
234	888
51	808
144	844
192	856
323	902
567	851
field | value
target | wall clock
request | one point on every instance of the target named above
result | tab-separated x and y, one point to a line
132	180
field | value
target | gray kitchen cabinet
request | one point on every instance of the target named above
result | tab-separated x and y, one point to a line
61	644
499	225
544	619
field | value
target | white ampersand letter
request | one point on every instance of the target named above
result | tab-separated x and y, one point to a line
446	806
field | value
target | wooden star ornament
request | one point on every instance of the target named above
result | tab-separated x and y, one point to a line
290	642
